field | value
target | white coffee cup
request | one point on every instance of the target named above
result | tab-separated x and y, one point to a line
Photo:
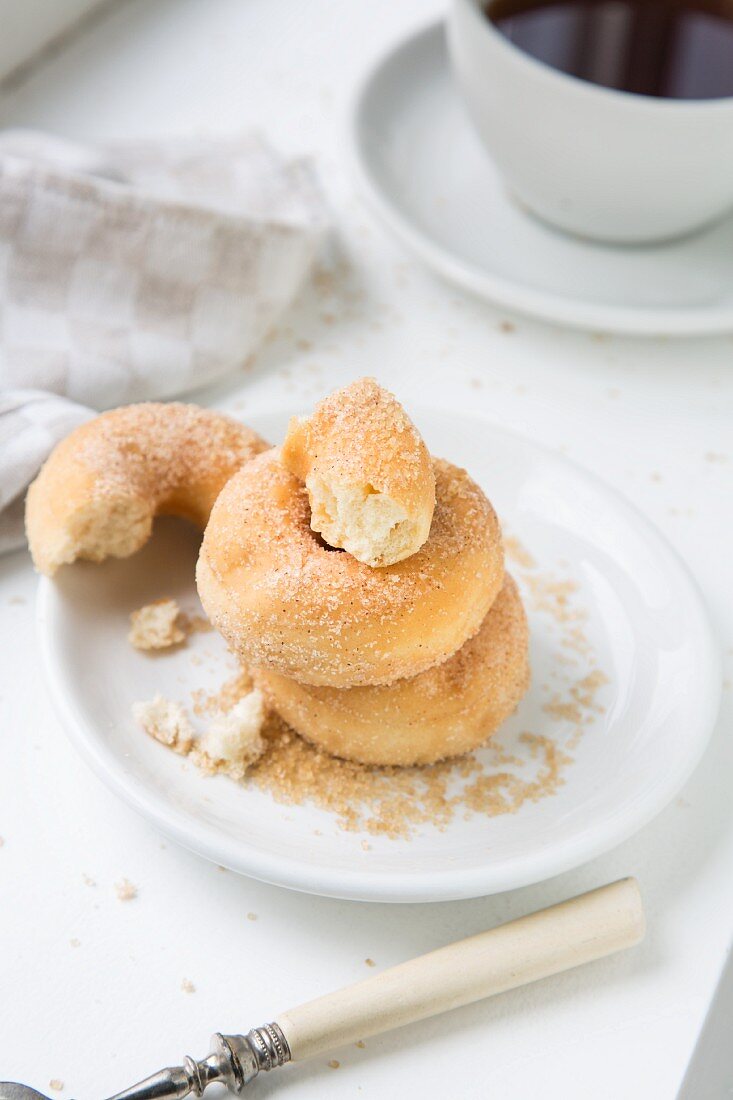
593	161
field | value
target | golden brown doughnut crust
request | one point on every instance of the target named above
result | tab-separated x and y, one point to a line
285	602
446	711
99	490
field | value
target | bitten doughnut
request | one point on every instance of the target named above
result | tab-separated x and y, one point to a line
98	492
285	601
368	474
445	711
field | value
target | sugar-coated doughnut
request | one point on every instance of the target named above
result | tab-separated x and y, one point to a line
368	474
446	711
285	601
99	490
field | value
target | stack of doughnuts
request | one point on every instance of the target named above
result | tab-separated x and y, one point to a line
361	580
363	583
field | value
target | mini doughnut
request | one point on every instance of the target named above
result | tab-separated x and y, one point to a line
445	711
368	474
286	602
99	490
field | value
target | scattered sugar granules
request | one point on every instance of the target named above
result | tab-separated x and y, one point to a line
518	553
165	721
396	802
225	698
157	625
187	986
195	624
125	890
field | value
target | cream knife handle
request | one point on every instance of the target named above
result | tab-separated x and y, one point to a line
525	950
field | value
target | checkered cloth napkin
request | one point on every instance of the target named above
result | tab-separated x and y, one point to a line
132	273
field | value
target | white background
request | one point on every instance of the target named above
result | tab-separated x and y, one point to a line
652	417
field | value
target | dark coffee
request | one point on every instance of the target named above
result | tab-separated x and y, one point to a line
673	49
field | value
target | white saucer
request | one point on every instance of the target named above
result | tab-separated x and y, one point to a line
645	625
422	168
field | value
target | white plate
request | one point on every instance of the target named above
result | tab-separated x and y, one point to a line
422	168
646	625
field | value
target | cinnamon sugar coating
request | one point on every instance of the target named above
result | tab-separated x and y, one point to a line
286	602
445	711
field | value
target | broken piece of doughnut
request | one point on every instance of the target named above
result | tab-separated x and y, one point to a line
99	490
367	472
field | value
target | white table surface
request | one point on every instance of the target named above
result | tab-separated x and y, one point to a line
91	986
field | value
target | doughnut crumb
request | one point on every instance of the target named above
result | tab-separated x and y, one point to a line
233	740
125	890
165	721
161	625
157	625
